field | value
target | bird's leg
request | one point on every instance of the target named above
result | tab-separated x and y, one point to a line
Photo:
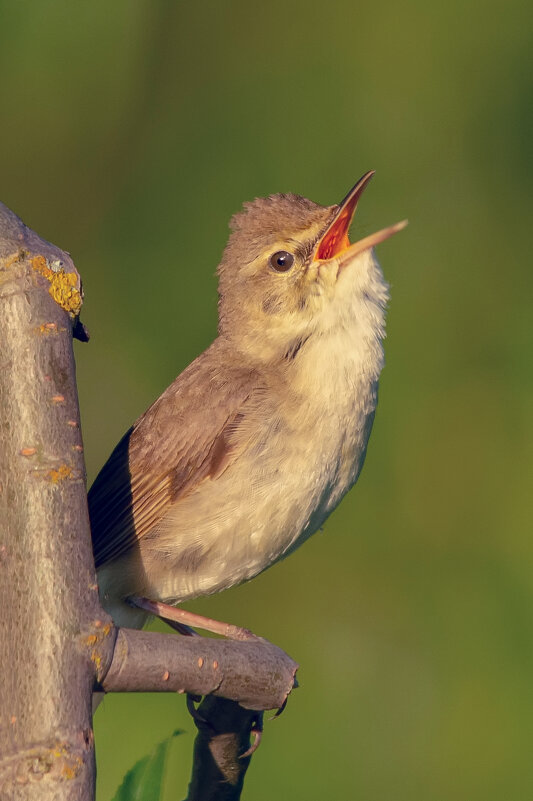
184	618
193	711
181	628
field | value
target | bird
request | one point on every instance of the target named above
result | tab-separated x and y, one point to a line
250	449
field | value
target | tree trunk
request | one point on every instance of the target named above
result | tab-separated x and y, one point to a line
48	592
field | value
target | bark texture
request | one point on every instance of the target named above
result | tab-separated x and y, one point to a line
48	593
255	673
220	750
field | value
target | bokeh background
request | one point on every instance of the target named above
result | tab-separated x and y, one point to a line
130	132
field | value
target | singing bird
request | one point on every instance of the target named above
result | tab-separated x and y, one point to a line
254	444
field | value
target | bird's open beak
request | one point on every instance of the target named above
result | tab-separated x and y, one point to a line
335	241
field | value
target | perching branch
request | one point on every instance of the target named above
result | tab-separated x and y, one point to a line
220	750
56	642
255	673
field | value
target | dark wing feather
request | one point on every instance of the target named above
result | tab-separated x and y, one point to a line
185	437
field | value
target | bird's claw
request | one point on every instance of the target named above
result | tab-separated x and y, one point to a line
280	710
201	722
256	732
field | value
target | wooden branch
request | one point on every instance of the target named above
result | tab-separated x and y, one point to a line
220	761
255	673
57	644
48	593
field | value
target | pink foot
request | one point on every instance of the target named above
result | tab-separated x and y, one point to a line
180	617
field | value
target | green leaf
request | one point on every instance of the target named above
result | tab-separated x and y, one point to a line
144	782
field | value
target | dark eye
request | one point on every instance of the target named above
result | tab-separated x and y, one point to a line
281	261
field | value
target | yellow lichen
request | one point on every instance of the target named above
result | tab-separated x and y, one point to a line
40	264
97	660
50	328
63	286
69	770
59	760
57	474
95	639
64	291
8	261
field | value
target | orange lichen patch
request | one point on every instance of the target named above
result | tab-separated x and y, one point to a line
71	768
40	264
72	423
57	474
58	398
215	664
6	263
200	661
63	286
94	641
70	764
78	448
58	761
102	631
96	659
48	328
28	451
166	675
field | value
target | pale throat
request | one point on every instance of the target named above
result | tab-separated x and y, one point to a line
344	353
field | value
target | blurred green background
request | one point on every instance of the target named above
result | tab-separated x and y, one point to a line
130	132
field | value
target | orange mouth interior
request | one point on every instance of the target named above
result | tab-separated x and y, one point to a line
335	240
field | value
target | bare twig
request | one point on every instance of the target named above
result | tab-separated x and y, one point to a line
255	673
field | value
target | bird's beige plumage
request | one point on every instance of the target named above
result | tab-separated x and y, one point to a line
150	470
253	445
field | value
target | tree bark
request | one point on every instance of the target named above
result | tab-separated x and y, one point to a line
221	750
48	592
255	673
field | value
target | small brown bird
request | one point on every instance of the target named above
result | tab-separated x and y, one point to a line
250	449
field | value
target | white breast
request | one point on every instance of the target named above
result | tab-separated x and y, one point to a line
309	450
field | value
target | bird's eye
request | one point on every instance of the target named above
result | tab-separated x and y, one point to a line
281	261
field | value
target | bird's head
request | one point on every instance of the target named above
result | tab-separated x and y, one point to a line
289	270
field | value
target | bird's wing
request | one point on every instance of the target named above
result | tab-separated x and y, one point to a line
186	437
